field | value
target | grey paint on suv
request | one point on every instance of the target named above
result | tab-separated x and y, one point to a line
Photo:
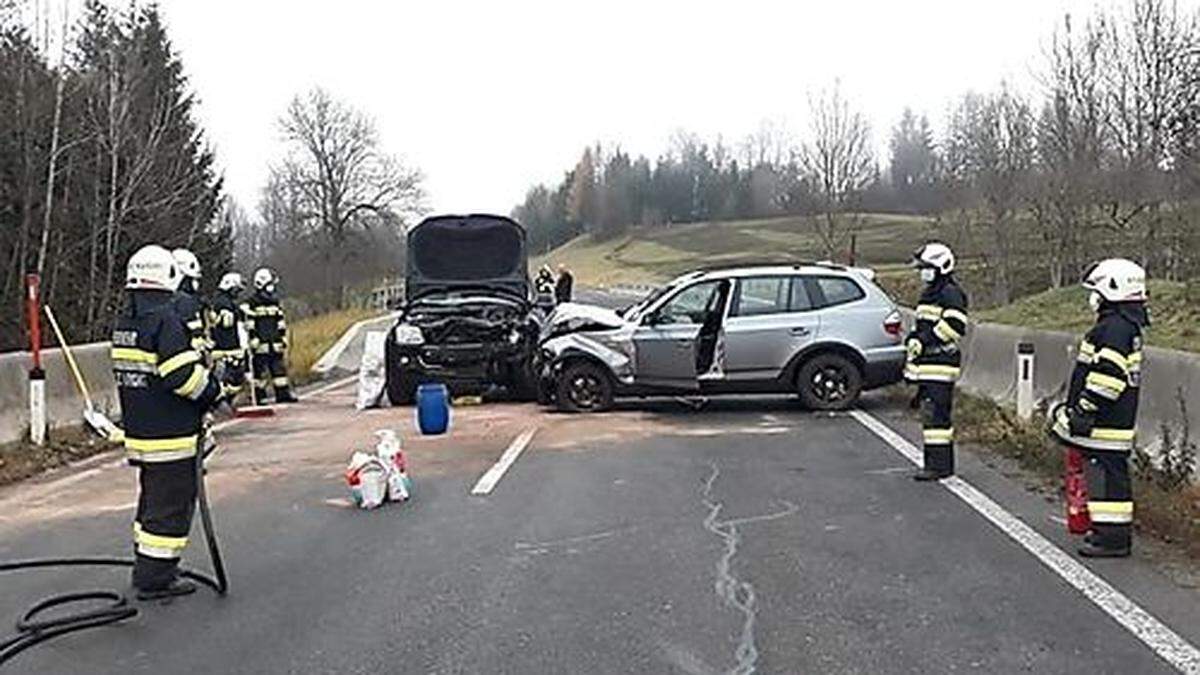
822	331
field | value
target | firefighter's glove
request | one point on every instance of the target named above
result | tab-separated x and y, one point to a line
914	348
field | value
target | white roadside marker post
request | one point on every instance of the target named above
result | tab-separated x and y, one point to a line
1025	352
37	376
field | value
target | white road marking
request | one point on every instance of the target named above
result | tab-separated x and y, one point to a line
488	481
1168	644
336	384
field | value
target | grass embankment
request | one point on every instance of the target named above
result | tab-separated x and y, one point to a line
311	336
658	253
1174	313
1167	507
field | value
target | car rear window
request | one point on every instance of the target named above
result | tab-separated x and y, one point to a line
831	291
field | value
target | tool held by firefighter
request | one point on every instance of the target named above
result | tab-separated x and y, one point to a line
935	357
96	420
1100	414
268	338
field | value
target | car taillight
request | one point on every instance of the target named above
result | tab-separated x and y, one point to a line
893	325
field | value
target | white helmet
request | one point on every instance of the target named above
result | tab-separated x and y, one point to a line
935	255
232	281
152	267
188	263
264	278
1117	280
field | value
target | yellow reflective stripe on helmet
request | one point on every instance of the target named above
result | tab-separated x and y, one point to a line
946	332
1115	357
1105	385
178	361
161	444
929	312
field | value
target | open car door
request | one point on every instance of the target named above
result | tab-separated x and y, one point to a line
668	342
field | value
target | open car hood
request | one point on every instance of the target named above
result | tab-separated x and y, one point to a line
478	253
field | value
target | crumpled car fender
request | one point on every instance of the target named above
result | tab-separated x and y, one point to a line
619	362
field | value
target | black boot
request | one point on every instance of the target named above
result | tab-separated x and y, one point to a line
926	475
177	587
284	395
1091	549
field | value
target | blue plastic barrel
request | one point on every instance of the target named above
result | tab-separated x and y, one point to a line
433	409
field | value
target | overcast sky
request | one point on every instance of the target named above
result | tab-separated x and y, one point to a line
489	97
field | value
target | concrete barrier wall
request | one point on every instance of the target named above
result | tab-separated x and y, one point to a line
990	369
64	404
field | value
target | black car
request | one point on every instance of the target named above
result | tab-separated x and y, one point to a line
468	319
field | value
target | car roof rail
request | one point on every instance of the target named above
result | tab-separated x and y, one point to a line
796	264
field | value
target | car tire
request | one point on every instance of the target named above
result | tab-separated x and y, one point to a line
829	382
584	387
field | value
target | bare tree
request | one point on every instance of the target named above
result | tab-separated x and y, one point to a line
990	151
1152	56
337	166
838	158
1070	147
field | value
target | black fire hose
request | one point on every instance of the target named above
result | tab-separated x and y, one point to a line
32	630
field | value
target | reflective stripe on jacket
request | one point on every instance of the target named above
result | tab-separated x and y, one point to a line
934	353
162	382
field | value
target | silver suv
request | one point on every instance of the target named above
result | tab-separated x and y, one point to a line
823	331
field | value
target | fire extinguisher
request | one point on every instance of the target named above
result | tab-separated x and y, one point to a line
1078	520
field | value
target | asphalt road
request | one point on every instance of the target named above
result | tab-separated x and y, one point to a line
750	536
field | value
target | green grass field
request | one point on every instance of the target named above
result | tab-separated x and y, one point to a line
648	255
1174	313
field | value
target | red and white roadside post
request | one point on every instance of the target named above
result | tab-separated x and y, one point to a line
37	376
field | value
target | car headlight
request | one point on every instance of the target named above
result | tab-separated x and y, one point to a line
408	334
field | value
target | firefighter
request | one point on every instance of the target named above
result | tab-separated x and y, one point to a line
228	354
164	390
1100	413
564	286
190	306
934	358
268	338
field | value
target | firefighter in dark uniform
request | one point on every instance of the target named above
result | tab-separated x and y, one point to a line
191	307
224	320
165	390
1100	413
268	338
564	287
934	356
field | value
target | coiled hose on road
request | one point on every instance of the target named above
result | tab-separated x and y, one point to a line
32	630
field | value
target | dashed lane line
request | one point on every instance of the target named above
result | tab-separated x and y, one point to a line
1166	643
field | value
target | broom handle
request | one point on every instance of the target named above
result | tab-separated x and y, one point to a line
74	367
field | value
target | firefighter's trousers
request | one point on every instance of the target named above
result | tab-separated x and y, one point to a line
271	368
166	503
937	401
1110	498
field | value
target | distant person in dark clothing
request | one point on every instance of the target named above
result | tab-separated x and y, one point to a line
564	286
